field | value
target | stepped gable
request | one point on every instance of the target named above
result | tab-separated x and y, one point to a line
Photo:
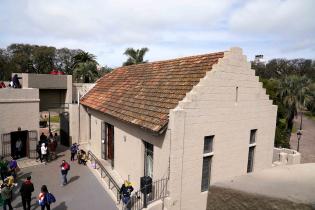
143	94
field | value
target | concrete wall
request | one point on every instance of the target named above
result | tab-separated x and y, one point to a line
211	108
80	89
284	156
56	84
45	81
129	148
19	108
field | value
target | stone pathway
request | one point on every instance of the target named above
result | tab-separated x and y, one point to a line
307	142
83	192
26	162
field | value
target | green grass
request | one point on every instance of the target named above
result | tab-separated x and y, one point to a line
55	119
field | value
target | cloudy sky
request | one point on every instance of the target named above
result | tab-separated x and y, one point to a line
169	28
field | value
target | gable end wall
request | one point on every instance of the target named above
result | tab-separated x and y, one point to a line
211	109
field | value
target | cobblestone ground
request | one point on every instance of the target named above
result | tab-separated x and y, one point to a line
83	191
307	142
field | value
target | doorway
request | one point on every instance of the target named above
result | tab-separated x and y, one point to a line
19	144
108	142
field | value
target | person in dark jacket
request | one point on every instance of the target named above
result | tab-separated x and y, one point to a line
125	193
73	150
16	82
26	192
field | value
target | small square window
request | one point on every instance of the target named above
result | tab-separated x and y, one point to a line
208	143
252	136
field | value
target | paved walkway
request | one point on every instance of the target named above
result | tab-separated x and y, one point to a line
83	191
307	142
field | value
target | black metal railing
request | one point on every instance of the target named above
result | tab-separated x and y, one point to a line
137	200
112	185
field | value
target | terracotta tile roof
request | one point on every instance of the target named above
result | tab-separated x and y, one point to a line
143	94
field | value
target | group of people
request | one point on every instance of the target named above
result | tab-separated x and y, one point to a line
8	170
46	147
45	198
82	157
13	83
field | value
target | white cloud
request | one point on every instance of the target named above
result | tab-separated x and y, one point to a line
169	28
282	18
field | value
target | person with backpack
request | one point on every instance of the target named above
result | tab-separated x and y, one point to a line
65	167
45	198
26	193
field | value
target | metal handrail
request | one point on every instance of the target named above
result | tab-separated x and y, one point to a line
111	182
159	191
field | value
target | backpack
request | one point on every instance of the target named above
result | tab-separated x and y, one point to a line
67	166
50	198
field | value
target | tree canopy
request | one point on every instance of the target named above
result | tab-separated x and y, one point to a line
135	56
291	85
25	58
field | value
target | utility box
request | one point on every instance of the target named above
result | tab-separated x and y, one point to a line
146	182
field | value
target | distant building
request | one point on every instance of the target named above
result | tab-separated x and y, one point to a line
259	59
197	120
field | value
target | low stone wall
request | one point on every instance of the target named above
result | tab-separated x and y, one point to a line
284	156
228	199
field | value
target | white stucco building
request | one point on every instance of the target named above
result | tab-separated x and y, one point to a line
196	120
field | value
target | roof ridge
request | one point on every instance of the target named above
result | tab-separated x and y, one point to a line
175	59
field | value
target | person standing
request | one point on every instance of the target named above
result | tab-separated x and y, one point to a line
18	148
6	195
42	198
39	152
13	166
26	192
43	150
42	138
73	150
65	167
3	168
125	193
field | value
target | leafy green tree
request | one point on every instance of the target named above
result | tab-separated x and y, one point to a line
83	57
135	56
310	98
43	59
86	72
64	59
293	91
105	70
85	67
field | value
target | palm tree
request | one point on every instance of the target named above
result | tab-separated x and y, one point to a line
84	67
86	72
83	57
292	91
135	56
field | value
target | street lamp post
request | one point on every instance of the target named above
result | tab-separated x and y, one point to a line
299	135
